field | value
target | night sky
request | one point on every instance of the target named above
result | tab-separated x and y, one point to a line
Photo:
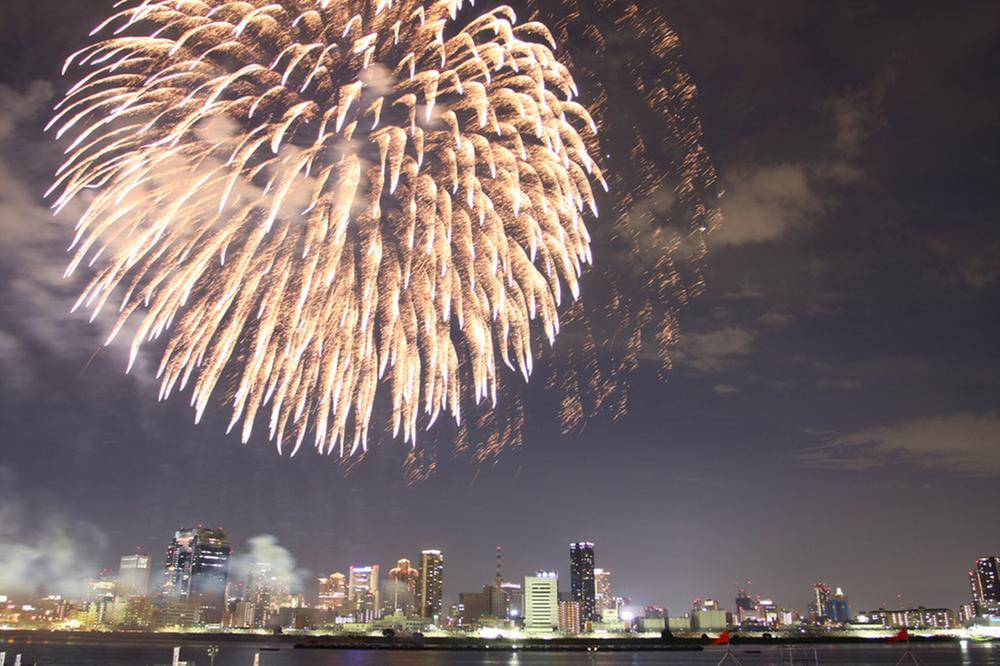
833	410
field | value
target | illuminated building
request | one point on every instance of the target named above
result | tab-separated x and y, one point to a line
541	597
746	608
515	600
267	592
100	589
708	615
196	571
821	601
332	592
914	618
966	614
985	582
244	615
581	578
431	583
362	588
400	589
768	612
837	609
603	595
133	576
569	616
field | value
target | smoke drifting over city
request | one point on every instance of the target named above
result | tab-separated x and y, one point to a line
52	555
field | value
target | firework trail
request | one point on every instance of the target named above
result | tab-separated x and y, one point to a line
329	200
665	198
664	202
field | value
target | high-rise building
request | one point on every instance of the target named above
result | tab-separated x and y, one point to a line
569	616
837	609
541	601
267	591
746	608
914	618
515	600
475	605
363	591
196	571
431	583
581	578
101	588
133	576
399	592
821	601
332	592
985	582
603	595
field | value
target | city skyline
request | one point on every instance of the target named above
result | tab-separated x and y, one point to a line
831	413
199	569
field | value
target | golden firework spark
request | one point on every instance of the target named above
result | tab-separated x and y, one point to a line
329	200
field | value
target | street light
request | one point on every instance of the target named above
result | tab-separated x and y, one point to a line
212	651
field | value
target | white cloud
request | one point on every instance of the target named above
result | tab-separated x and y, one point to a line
712	351
962	443
764	203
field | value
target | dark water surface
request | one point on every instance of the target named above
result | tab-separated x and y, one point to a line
154	652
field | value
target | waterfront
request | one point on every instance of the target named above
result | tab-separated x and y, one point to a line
115	652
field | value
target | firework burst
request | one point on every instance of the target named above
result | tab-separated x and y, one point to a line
329	201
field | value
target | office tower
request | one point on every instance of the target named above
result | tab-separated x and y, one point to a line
431	583
475	605
746	607
541	601
986	586
838	609
821	601
515	600
362	588
400	589
133	576
603	596
581	578
266	591
196	570
99	589
244	615
569	616
332	592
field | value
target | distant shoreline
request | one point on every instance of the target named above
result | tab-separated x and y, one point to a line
450	643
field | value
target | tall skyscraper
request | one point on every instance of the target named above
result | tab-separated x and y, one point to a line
133	576
581	578
431	582
267	591
985	582
400	589
746	607
603	595
332	591
196	570
541	601
363	590
821	601
838	608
